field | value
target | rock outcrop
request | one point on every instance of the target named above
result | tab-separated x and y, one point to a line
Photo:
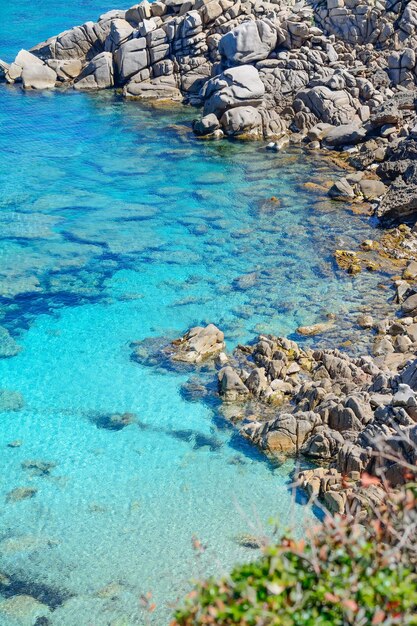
341	75
198	344
358	414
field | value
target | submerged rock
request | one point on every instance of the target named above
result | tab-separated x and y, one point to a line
38	468
21	493
348	260
25	543
117	421
8	346
15	444
23	610
316	329
10	400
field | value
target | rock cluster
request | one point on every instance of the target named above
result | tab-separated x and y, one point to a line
358	414
198	344
339	74
354	415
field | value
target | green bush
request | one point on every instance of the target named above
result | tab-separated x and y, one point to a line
345	573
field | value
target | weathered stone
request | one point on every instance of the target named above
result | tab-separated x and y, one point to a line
341	190
33	72
334	501
256	381
248	42
23	610
409	306
162	89
331	107
371	188
198	344
206	125
316	329
98	74
242	121
130	58
284	434
8	346
120	32
10	400
239	86
231	386
21	493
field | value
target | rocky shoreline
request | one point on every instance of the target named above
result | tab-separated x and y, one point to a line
349	415
339	75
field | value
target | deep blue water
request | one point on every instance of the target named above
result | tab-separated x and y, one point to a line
117	225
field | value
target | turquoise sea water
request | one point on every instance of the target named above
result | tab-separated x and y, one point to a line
117	225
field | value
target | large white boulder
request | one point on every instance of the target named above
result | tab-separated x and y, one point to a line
98	74
242	120
131	58
160	88
238	86
81	42
333	107
33	72
120	32
248	42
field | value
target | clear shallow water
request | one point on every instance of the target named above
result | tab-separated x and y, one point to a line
116	225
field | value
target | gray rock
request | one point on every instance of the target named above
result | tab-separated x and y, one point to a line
162	88
324	444
130	58
248	42
352	458
344	135
231	386
33	72
120	32
343	419
98	74
239	86
38	77
399	203
4	68
66	69
257	381
409	306
404	397
410	272
341	190
372	188
199	344
409	375
242	120
332	107
283	434
81	42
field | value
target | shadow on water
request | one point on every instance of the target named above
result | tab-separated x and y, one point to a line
51	596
